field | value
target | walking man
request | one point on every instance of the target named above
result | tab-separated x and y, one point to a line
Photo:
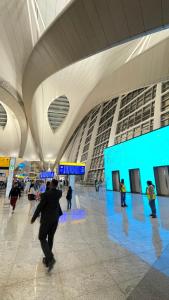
13	196
50	211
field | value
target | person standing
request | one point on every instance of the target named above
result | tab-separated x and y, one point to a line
36	186
50	210
13	196
32	197
69	198
151	197
27	186
97	185
123	193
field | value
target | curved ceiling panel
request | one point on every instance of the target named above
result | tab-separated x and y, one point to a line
148	68
3	116
58	111
11	99
84	29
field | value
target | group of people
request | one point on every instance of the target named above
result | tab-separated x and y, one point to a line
49	210
34	190
150	191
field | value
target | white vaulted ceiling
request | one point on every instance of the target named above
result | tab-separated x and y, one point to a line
90	52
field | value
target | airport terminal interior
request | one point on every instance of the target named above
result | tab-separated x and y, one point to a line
84	102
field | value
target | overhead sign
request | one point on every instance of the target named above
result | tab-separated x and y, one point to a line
44	175
4	162
72	169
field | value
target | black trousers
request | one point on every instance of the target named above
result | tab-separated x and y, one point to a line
69	203
46	236
153	207
123	198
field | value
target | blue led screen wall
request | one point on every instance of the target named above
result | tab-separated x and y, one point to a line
144	152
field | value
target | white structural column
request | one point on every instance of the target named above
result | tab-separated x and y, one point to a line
72	181
157	108
114	123
10	176
92	142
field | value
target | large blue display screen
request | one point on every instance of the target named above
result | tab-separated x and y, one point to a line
71	170
44	175
145	152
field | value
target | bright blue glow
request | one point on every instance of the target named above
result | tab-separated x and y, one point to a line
44	175
144	153
71	170
134	230
78	214
75	214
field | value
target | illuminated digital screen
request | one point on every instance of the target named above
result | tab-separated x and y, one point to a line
71	170
4	162
144	153
44	175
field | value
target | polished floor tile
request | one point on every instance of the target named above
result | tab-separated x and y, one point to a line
102	250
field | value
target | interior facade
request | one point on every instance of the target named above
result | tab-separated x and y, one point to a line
86	83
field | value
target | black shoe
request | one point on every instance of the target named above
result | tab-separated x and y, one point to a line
122	205
125	205
51	264
45	261
154	217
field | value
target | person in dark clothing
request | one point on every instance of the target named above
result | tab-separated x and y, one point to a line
69	198
97	185
47	186
13	196
50	210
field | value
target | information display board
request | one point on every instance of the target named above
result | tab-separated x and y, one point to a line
4	162
44	175
71	169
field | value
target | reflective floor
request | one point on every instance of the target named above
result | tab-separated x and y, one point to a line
102	251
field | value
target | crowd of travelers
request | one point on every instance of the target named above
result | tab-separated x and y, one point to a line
44	203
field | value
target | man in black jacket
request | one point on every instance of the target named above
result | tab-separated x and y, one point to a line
50	211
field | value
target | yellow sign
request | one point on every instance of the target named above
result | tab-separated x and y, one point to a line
4	162
72	164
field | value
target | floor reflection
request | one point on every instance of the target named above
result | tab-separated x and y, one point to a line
73	215
133	228
102	250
